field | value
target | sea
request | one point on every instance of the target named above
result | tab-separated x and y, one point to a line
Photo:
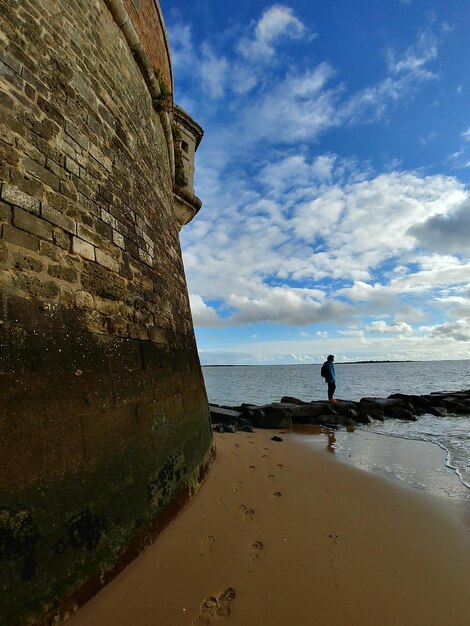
258	384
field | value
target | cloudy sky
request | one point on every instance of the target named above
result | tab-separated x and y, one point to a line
334	174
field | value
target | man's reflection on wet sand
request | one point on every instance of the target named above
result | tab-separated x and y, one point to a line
331	441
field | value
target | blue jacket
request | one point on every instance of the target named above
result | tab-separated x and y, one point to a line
330	372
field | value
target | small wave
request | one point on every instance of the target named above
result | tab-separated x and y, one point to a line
448	447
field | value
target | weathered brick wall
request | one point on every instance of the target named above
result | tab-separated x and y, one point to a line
103	412
148	22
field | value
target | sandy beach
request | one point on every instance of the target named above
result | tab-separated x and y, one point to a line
283	533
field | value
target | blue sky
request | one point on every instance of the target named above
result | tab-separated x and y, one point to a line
334	174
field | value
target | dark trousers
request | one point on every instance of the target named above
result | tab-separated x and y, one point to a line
331	390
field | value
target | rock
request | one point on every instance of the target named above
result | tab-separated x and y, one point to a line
393	410
343	406
371	409
417	401
225	428
438	412
220	415
271	416
453	406
277	438
305	413
399	413
241	421
340	420
289	400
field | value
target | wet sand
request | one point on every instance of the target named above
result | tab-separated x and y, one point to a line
282	533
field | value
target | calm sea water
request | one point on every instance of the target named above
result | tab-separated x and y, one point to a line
264	384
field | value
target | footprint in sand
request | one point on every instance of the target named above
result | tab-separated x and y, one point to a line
237	485
207	543
255	550
334	538
237	445
280	466
224	599
276	495
214	607
246	512
264	456
252	467
270	478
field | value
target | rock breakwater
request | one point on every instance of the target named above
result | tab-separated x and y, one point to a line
347	413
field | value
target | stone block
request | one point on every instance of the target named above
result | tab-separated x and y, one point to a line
100	158
20	238
26	263
63	273
76	134
145	257
5	212
41	173
61	239
65	146
83	248
56	169
66	295
107	116
72	166
157	335
106	260
84	300
118	326
95	322
88	235
3	258
50	250
51	111
34	80
10	61
59	219
32	286
138	332
109	219
19	198
30	223
106	306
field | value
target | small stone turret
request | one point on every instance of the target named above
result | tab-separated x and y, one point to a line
187	137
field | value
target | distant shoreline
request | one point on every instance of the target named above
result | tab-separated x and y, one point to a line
296	364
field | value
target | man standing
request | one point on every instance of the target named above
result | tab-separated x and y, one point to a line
328	371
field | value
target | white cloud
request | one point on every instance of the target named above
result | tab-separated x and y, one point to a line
380	326
213	70
276	22
415	57
466	134
298	107
458	330
182	50
322	167
286	306
365	223
203	315
449	232
429	137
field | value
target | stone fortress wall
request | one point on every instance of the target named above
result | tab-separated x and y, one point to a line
104	423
